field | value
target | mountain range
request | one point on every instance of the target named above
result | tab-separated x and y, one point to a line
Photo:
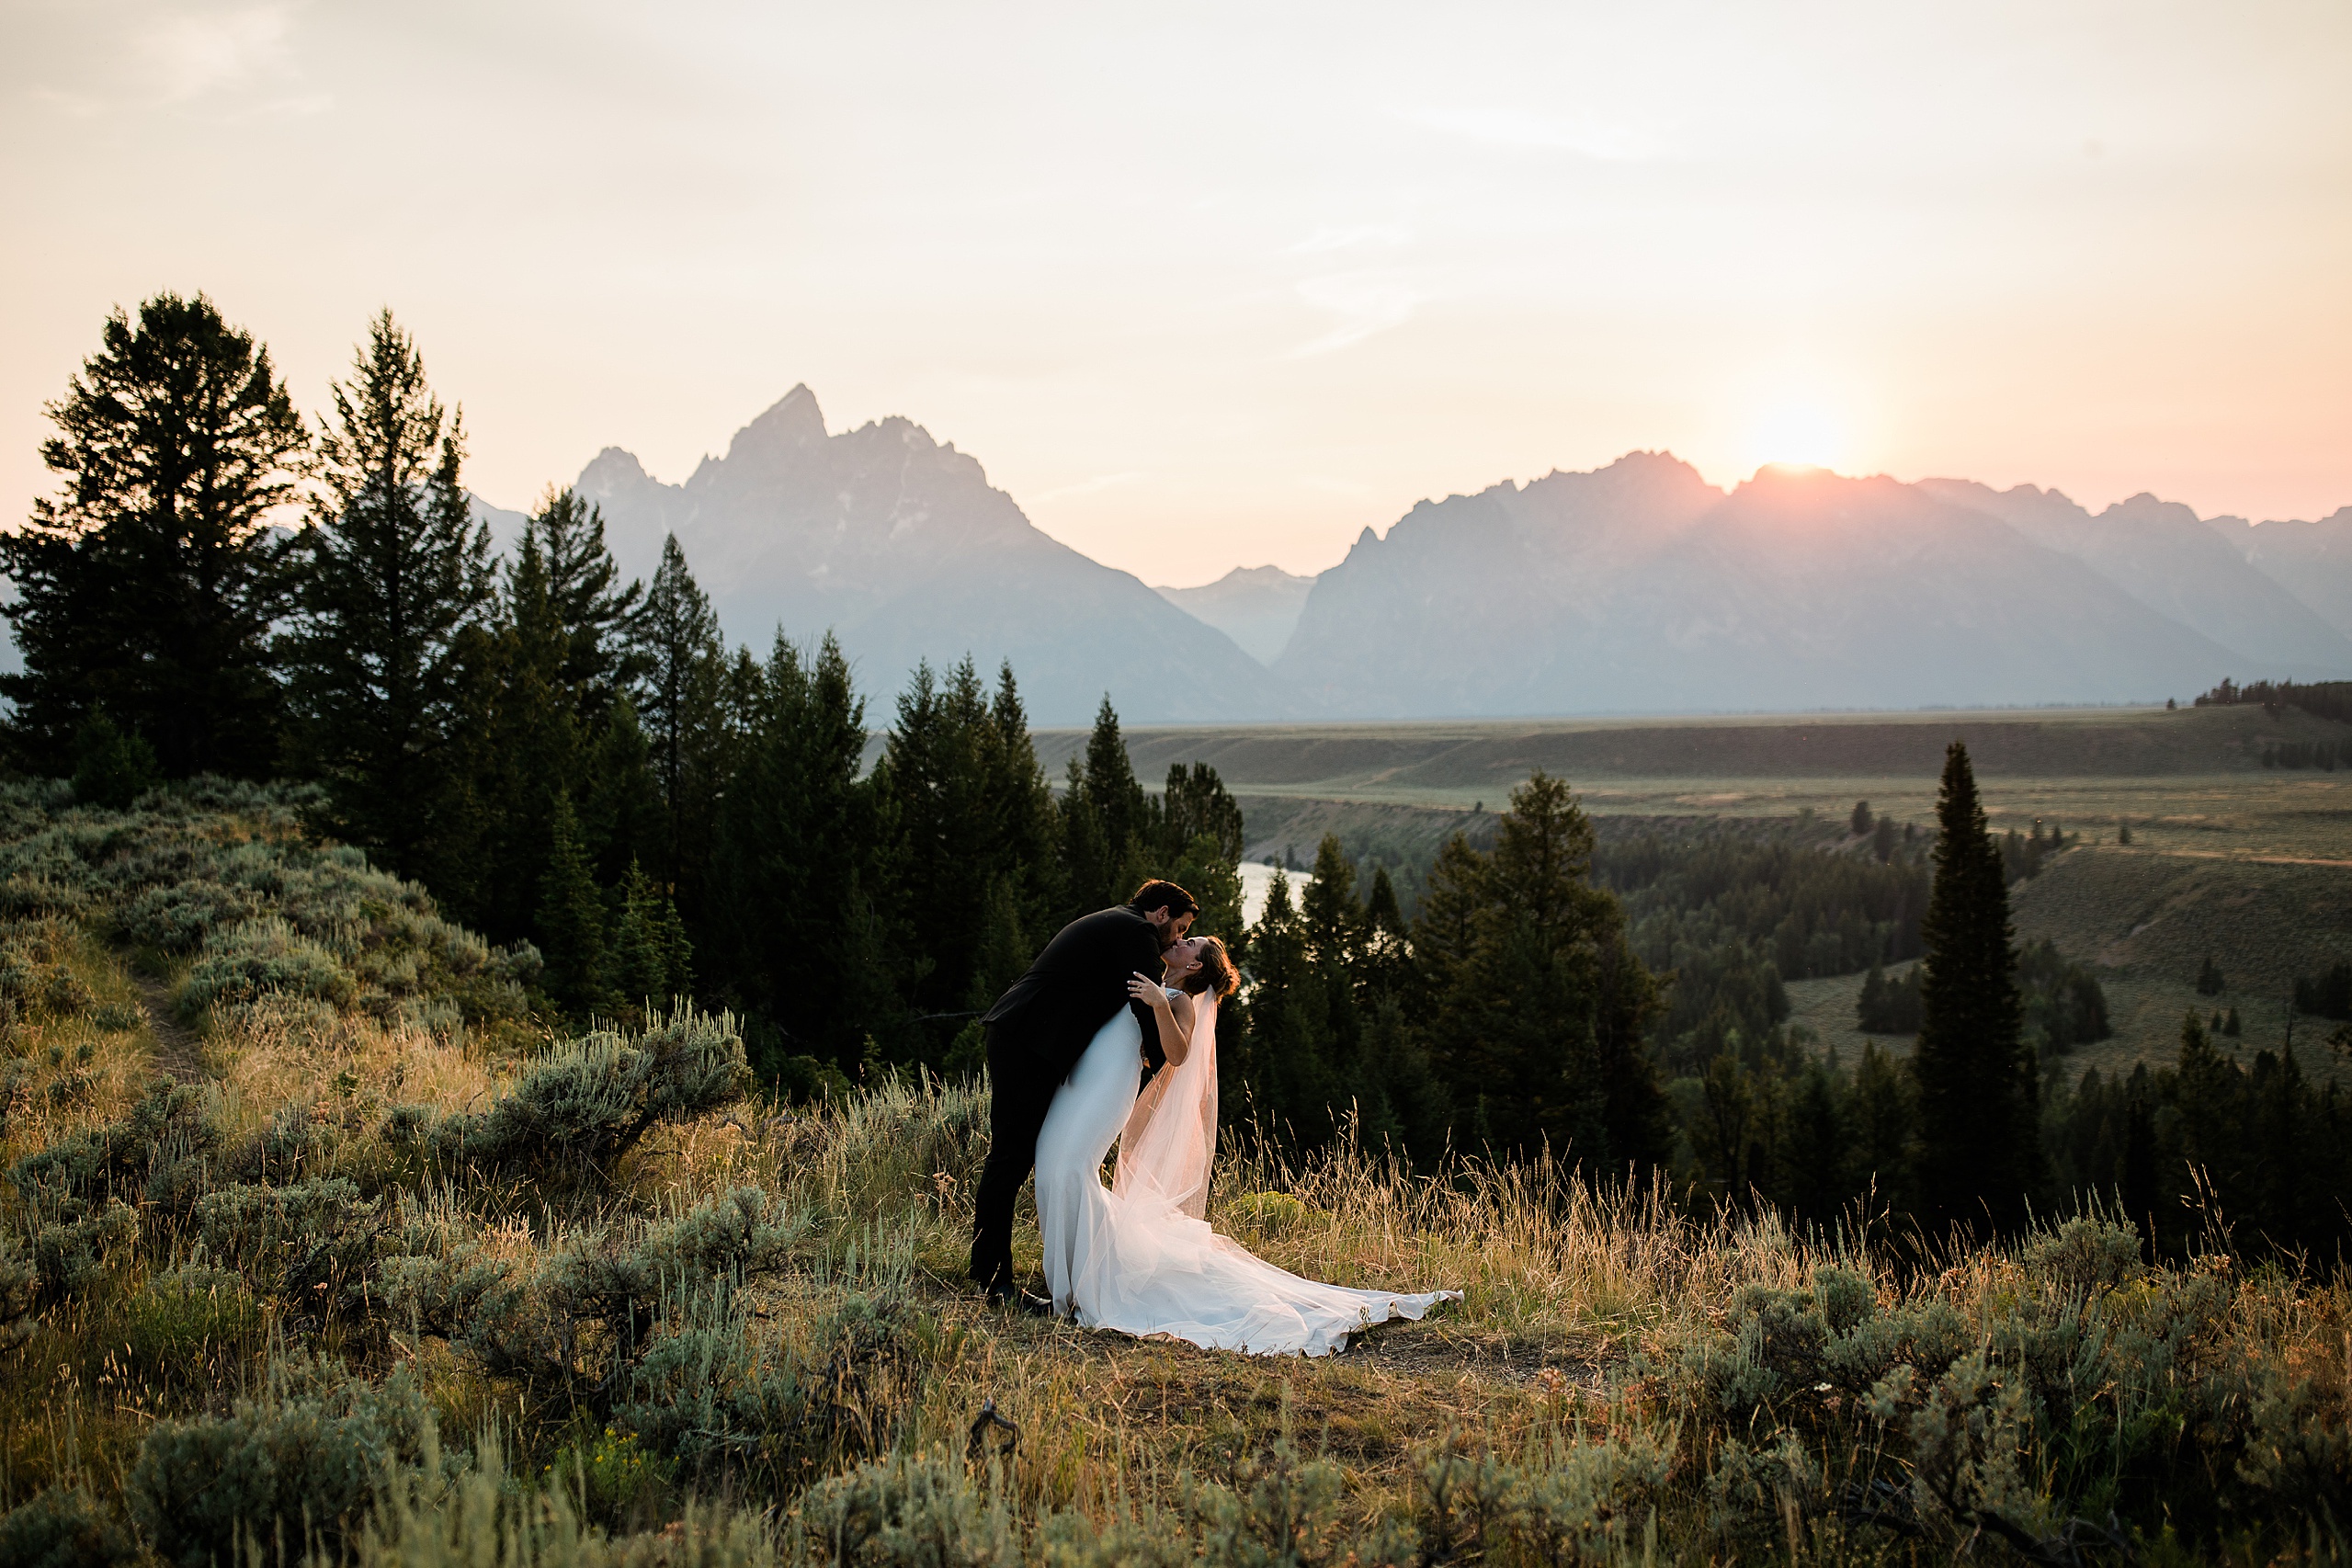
1636	587
1257	606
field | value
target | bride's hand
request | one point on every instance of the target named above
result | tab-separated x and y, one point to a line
1143	988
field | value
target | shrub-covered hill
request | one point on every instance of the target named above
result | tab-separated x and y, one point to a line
315	1243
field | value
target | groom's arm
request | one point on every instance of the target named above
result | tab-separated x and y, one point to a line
1143	958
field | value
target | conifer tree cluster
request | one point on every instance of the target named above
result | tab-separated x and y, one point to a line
583	763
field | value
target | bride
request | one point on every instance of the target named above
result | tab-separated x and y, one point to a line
1139	1257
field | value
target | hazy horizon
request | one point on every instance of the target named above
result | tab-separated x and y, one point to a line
1235	286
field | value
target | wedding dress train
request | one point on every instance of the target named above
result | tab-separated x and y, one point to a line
1137	1256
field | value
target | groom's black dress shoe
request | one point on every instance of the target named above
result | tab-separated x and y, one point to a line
1032	1306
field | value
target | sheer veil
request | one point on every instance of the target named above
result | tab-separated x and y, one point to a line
1171	1135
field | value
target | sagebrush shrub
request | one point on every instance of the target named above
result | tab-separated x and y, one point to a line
178	916
64	1527
158	1154
909	1510
580	1109
241	961
19	1296
311	1245
35	979
308	1460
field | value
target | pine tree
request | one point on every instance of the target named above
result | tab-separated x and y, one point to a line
594	615
652	962
1388	951
1884	1118
111	769
1333	923
152	585
1977	1114
682	699
636	966
621	815
1540	1005
1293	1083
394	575
932	777
572	921
799	928
528	747
1020	807
1813	1156
1197	805
1108	821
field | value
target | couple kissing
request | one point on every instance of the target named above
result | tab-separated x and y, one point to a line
1114	994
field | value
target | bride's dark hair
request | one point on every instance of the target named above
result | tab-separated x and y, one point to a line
1216	972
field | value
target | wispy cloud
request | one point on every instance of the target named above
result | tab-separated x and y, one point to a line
196	53
1505	125
1366	302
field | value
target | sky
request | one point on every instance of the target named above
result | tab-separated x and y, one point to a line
1212	285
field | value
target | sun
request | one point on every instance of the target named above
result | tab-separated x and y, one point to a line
1800	434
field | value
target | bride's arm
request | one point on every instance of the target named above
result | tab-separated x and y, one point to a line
1176	1027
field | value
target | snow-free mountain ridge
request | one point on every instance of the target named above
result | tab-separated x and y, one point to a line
901	548
1636	587
1257	606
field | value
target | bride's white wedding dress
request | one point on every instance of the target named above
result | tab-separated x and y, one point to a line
1137	1256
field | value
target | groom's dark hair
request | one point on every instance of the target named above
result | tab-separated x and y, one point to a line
1154	895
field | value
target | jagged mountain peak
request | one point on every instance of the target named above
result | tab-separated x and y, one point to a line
900	546
791	421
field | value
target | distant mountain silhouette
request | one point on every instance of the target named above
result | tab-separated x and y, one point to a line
2162	554
2310	561
1257	606
1638	587
900	546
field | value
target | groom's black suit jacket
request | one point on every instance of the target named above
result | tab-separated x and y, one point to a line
1045	1019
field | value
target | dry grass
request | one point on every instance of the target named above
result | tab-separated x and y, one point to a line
1593	1316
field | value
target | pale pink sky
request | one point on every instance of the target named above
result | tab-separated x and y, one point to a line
1222	284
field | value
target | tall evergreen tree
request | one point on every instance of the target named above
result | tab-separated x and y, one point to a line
1109	824
797	925
1541	1004
1286	1074
152	584
572	921
546	710
1977	1105
1333	923
682	703
1020	806
596	614
621	815
395	572
933	775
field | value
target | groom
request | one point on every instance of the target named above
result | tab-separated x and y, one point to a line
1038	1030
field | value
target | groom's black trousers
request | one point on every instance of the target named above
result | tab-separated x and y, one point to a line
1036	1032
1020	1095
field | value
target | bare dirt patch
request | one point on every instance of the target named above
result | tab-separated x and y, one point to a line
175	1044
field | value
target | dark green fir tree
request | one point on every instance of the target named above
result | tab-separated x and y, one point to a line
152	584
395	575
1978	1099
682	705
571	922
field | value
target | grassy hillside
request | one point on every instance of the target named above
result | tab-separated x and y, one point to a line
2147	921
1399	760
316	1231
2190	781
